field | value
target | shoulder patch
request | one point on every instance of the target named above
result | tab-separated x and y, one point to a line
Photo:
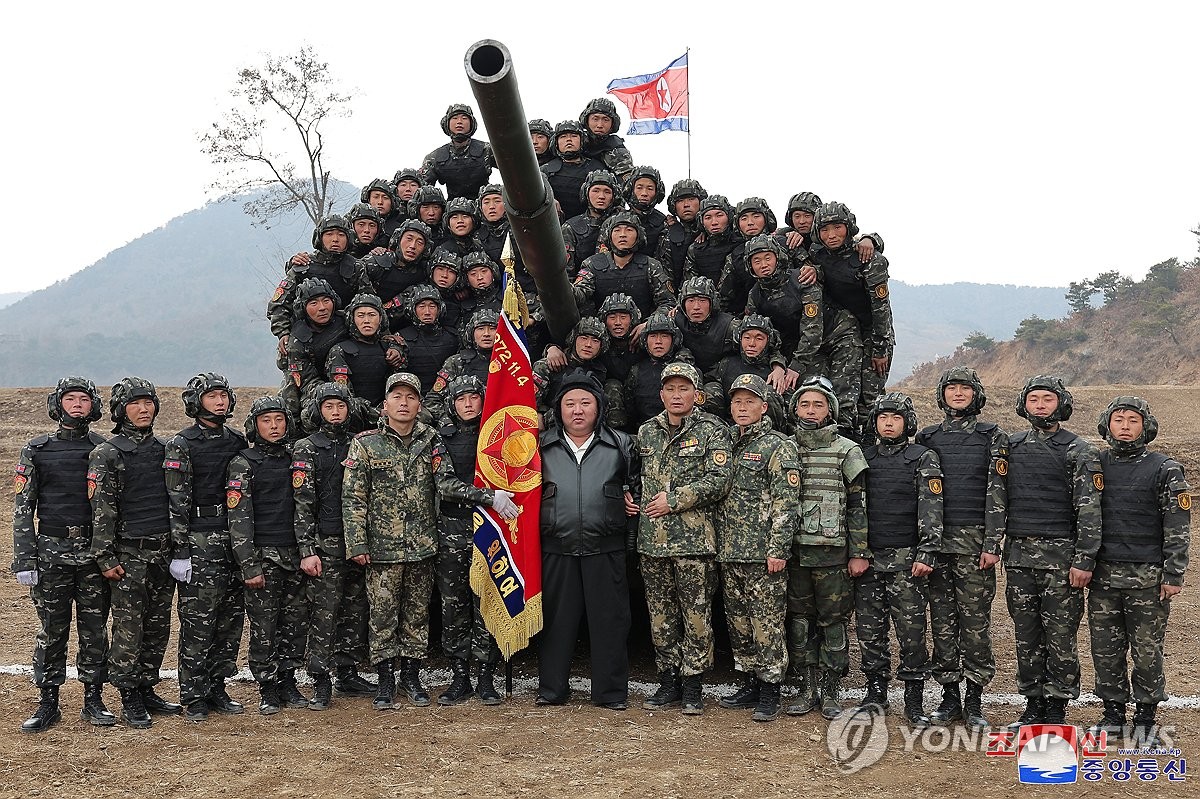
440	383
22	468
339	371
298	478
1184	500
935	485
173	465
881	291
810	310
349	463
280	290
20	480
1098	481
232	498
91	484
302	465
1001	466
793	478
720	458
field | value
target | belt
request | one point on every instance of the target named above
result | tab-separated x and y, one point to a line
207	511
144	542
66	531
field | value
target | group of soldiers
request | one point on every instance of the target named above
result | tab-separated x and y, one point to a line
756	395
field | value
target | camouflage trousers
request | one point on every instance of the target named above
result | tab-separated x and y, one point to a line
898	597
842	351
679	593
59	587
960	615
463	632
212	611
398	595
873	386
337	615
278	623
141	617
819	602
1128	624
1046	612
755	607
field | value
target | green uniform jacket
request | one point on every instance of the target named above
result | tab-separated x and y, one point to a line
833	511
758	518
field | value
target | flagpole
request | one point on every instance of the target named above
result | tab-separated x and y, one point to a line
688	52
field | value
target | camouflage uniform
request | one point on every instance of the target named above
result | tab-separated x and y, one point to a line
471	360
347	276
641	276
795	310
1146	509
691	465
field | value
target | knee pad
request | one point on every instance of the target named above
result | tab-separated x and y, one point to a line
798	631
835	637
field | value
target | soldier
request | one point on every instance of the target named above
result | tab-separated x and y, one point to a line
428	344
600	118
591	476
830	547
394	476
258	496
445	273
212	607
473	359
403	266
493	225
131	542
904	523
708	332
754	218
459	225
585	350
644	190
757	340
707	253
366	226
755	525
335	593
463	632
802	209
1053	535
428	204
568	170
621	267
406	183
974	456
541	134
685	474
364	361
55	562
684	204
483	282
793	306
642	392
598	195
382	195
1146	509
316	329
465	163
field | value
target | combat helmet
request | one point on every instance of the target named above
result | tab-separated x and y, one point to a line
414	225
364	210
426	195
754	321
407	173
803	201
717	202
620	301
567	126
456	109
588	326
54	405
685	188
1149	424
419	294
309	289
125	391
327	391
894	402
543	127
752	204
366	301
601	105
765	242
963	375
821	385
832	213
261	406
200	385
460	205
662	323
378	184
480	258
333	222
621	218
660	190
600	177
700	286
1046	383
484	317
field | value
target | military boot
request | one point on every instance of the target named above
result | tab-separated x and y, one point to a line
768	702
693	701
951	707
269	702
289	692
157	705
669	693
743	698
487	692
220	701
385	694
94	709
914	703
351	683
460	684
322	692
1035	709
133	709
47	713
973	707
1113	720
196	711
807	697
410	681
1145	728
1055	712
831	696
876	700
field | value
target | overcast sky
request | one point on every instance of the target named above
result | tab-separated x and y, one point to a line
1025	142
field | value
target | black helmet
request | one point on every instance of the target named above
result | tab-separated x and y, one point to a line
803	201
419	294
261	406
364	210
54	400
567	126
756	321
752	204
601	105
1128	403
414	225
765	242
894	402
621	218
460	205
334	222
653	174
599	177
685	188
454	110
443	257
832	213
700	286
662	323
963	375
1046	383
484	317
716	202
426	195
588	326
541	126
407	173
309	289
491	188
619	301
327	391
378	184
366	301
200	385
125	391
480	258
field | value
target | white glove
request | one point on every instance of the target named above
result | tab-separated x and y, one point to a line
504	505
28	578
181	569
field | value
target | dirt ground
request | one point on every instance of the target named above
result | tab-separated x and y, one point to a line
517	749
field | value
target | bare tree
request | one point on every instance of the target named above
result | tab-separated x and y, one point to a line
288	94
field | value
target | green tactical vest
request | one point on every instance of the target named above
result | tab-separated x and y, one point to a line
823	494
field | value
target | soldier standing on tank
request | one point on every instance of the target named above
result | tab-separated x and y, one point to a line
708	332
684	205
795	308
586	344
753	217
904	524
830	548
642	393
364	360
382	195
406	182
55	562
428	204
541	135
474	359
394	477
316	328
131	541
757	340
600	120
366	228
644	189
974	457
1054	521
685	474
427	343
755	524
620	267
1146	510
581	233
403	266
707	252
212	606
568	170
464	164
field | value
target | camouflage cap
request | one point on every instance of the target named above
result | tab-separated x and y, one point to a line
752	383
403	378
684	370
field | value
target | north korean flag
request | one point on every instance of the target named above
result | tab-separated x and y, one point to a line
656	102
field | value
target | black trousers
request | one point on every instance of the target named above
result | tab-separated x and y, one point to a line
572	586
